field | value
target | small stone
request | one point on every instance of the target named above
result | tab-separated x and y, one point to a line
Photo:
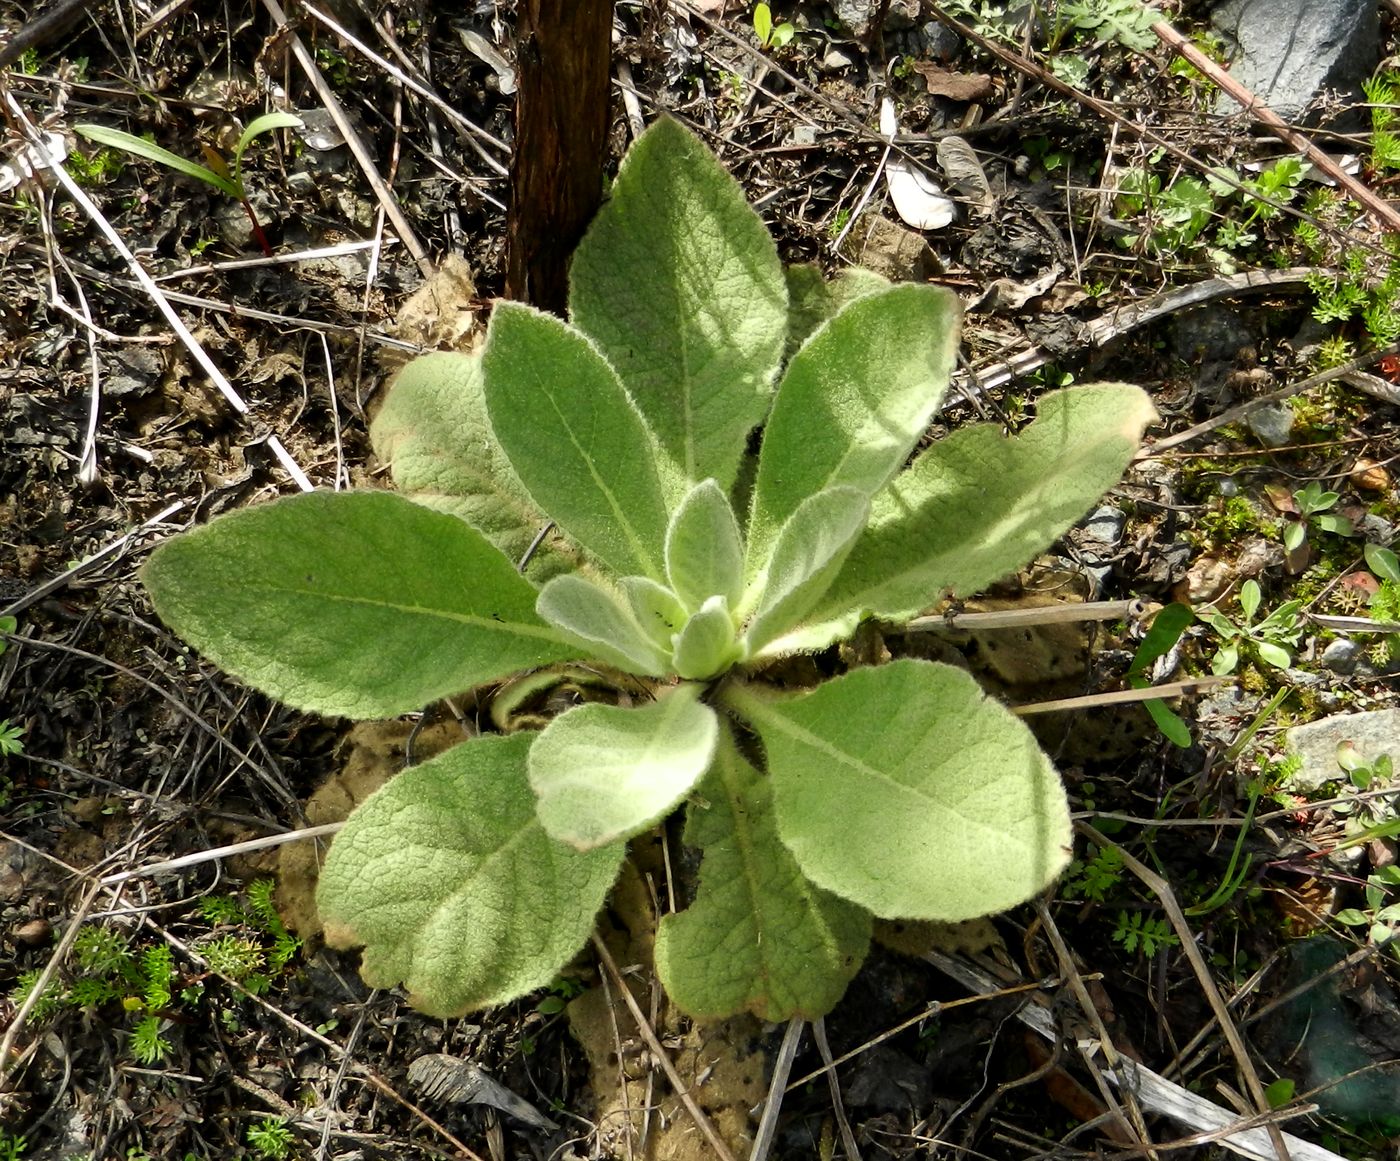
1369	475
1372	733
835	60
34	933
1272	423
1205	580
941	42
857	15
1104	525
1341	656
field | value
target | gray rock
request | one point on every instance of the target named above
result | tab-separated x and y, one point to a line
1209	335
1341	656
835	60
1291	50
857	14
943	43
1272	423
1103	526
1373	733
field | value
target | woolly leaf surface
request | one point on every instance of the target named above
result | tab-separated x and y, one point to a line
361	604
905	789
447	879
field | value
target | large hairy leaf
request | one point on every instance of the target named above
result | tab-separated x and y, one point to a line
575	439
977	505
679	284
434	433
448	880
905	789
852	403
759	936
814	298
361	604
605	772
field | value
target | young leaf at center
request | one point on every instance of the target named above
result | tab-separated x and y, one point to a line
575	439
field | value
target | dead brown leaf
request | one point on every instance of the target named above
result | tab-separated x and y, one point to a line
943	82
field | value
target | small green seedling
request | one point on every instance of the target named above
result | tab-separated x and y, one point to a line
1269	639
1310	505
1161	639
11	736
1385	601
271	1138
771	35
1380	917
1147	934
218	173
1280	1092
686	574
108	972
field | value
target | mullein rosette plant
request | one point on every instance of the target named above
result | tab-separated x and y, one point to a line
684	565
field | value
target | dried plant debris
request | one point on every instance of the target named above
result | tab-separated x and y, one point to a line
443	1077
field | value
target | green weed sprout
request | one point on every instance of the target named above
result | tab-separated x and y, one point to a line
697	581
1313	506
1270	639
771	35
1385	603
1160	639
1143	933
226	180
1380	918
11	736
271	1138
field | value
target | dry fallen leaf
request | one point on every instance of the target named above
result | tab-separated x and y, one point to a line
943	82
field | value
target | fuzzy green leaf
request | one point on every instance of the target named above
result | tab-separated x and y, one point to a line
602	625
813	298
605	772
853	402
759	936
704	551
361	604
434	433
655	608
708	645
808	554
574	438
679	284
977	506
905	789
448	880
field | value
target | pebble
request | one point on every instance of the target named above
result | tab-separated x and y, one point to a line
34	933
1370	475
1341	656
1272	423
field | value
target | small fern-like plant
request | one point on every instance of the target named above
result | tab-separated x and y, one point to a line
688	574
